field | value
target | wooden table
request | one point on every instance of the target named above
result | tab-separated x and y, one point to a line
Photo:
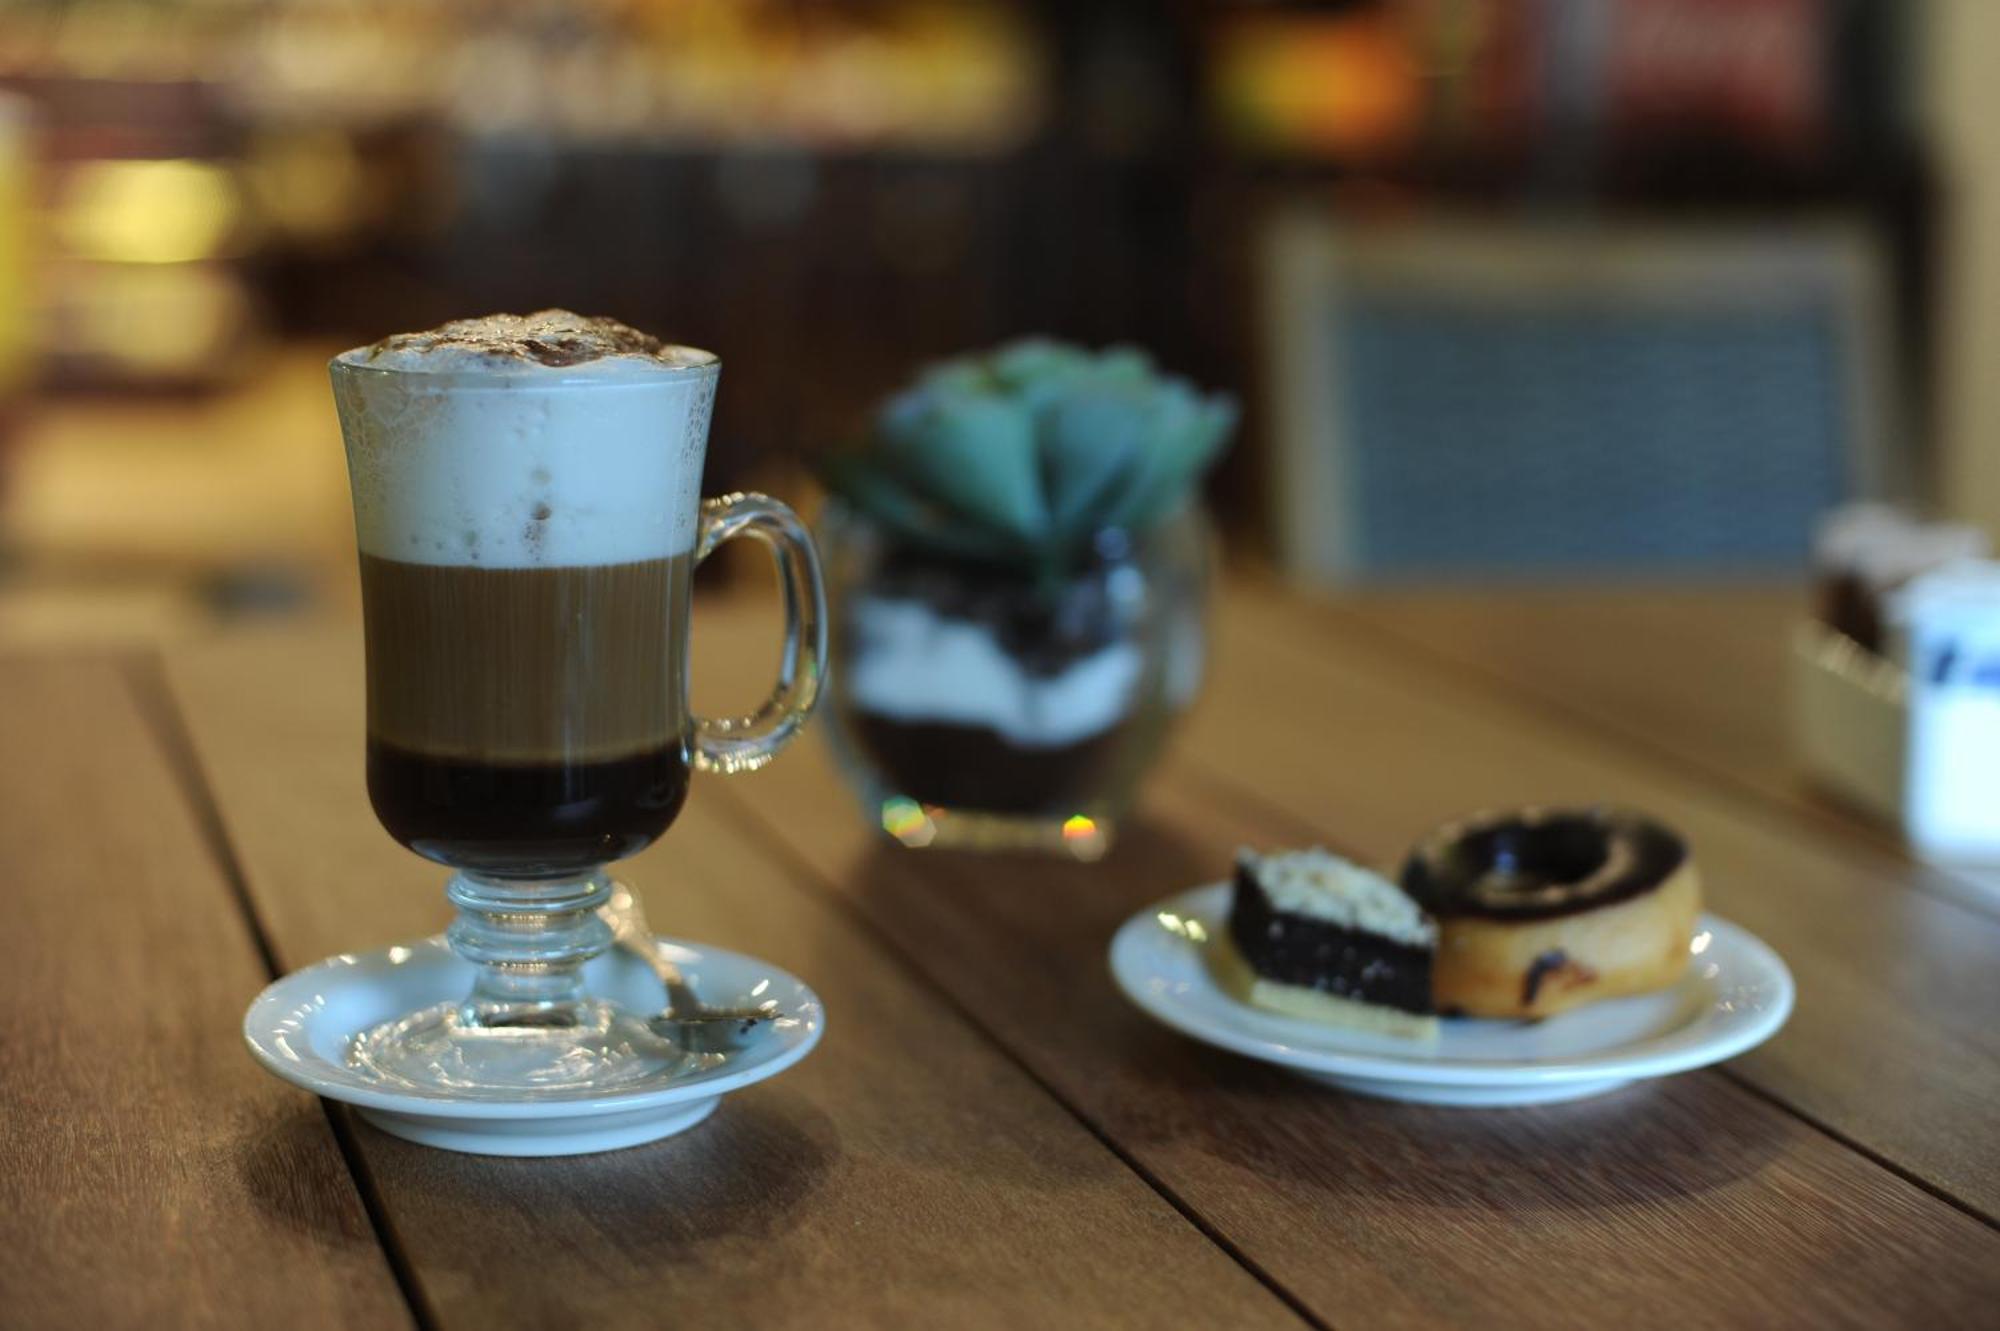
989	1135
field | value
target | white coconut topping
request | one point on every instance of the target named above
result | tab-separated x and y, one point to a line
1323	886
911	664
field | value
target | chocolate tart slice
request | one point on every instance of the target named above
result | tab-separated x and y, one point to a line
1312	935
1543	910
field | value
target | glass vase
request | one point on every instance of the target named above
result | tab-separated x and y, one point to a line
992	705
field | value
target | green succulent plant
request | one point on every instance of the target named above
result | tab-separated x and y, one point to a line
1022	454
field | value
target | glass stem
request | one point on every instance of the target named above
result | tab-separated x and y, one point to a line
529	939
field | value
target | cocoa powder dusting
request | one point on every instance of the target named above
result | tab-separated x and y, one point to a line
554	338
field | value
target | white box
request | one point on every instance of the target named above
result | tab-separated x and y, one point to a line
1923	755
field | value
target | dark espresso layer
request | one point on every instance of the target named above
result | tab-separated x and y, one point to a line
971	767
526	665
526	721
1319	954
1541	864
527	819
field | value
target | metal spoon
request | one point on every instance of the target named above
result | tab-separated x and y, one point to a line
687	1021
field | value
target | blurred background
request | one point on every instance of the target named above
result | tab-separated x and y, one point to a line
1508	289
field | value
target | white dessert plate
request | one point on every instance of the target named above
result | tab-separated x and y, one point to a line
1736	994
301	1026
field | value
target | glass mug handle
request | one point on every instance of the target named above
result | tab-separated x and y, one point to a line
745	743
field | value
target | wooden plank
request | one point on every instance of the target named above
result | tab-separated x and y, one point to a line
1599	652
1688	1201
150	1174
1594	657
1896	1039
906	1174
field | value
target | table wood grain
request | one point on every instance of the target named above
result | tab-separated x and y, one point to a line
1698	673
150	1175
1418	1216
989	1134
908	1173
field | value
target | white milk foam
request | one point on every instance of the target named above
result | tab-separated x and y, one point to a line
466	450
911	664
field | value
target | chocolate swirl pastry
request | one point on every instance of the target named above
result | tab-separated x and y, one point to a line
1543	910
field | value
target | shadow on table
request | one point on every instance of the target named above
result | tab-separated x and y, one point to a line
740	1175
1652	1141
297	1182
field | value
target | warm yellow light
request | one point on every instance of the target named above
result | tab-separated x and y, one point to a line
165	211
156	318
16	207
309	185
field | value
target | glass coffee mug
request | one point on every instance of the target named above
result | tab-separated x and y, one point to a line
528	536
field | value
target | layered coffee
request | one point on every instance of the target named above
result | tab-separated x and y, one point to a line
526	492
526	720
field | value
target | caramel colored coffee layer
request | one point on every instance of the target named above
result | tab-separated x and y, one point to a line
526	665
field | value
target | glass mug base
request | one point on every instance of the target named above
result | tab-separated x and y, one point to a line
528	1027
597	1048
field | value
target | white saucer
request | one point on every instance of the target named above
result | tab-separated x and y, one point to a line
300	1028
1737	993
